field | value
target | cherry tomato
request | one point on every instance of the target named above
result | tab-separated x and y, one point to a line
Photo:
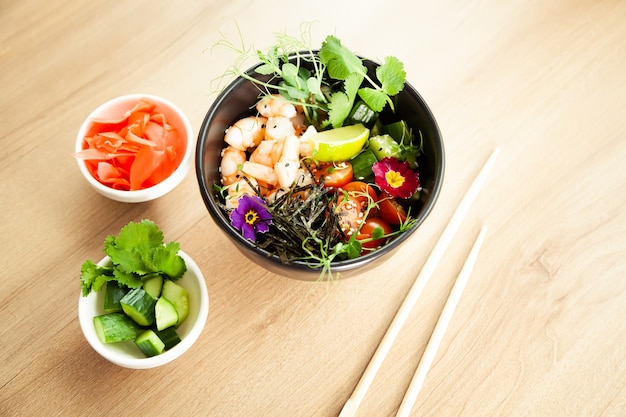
371	224
390	209
357	189
350	214
335	175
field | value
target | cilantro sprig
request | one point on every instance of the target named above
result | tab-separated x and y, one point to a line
138	252
345	66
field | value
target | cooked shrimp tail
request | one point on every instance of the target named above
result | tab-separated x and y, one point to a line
287	166
246	133
276	105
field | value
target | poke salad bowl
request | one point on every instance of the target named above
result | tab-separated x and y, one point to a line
238	100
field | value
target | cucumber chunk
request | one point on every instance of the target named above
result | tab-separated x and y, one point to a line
149	343
139	306
400	132
165	313
362	113
115	327
169	336
153	285
178	296
384	146
362	165
112	296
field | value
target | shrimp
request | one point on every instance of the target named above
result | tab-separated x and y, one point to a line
237	189
275	194
261	173
298	123
246	133
306	145
279	128
264	153
276	105
286	168
232	159
303	177
277	151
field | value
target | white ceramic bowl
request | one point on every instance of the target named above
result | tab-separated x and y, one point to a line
115	108
126	354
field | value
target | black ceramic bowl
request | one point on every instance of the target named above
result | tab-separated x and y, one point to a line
237	100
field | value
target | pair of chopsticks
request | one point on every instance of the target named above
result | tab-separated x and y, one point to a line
353	403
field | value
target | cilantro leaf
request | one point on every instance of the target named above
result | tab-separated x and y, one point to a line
375	99
129	279
167	260
341	102
128	260
392	76
340	61
131	251
100	281
338	108
138	250
143	234
92	276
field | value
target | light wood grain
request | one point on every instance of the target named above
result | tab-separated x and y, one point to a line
540	329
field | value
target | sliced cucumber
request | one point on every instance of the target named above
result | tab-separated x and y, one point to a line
169	336
153	285
400	132
178	296
115	327
165	313
362	165
112	296
149	343
362	113
384	146
139	305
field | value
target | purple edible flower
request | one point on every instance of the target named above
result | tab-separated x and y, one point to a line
251	216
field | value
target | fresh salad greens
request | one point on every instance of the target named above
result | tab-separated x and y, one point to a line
142	301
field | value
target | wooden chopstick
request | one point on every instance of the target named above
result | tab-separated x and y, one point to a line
440	328
350	407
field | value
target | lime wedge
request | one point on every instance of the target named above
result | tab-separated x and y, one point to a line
339	144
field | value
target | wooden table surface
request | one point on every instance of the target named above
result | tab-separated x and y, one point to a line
540	329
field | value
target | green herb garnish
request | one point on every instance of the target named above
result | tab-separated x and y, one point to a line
136	253
326	85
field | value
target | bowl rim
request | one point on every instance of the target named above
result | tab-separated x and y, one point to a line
86	324
338	266
157	190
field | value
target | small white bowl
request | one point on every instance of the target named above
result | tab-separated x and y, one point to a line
126	354
115	108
